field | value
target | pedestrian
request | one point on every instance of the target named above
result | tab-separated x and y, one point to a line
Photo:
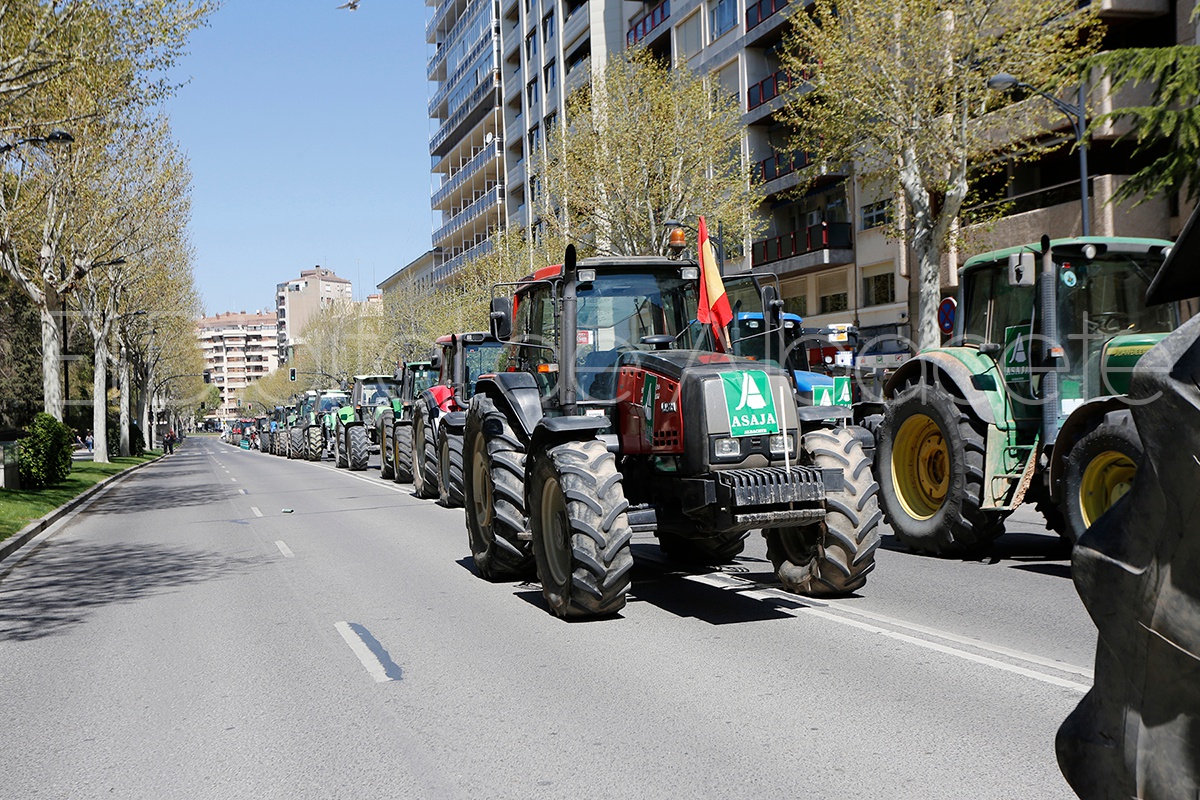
89	441
169	441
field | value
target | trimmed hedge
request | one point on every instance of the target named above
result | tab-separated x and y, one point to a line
45	454
137	442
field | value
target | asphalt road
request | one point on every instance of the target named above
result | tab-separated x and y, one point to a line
186	636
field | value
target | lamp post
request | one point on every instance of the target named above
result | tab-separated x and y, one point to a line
1076	115
54	137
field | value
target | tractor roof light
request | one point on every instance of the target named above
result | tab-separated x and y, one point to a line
677	242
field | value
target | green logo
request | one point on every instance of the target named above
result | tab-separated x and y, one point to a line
649	400
749	403
1016	353
836	395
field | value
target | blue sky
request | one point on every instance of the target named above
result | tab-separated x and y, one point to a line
307	133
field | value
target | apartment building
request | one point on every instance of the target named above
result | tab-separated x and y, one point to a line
299	299
467	143
239	348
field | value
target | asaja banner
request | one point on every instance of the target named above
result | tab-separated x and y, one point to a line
749	402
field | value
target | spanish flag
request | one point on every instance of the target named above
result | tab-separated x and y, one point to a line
714	304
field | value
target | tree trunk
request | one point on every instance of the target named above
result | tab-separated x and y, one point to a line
145	410
51	315
123	372
929	268
100	401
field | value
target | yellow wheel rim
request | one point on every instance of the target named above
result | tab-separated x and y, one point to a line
1106	479
920	466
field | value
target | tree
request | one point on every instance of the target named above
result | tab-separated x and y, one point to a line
642	145
66	62
898	88
1166	131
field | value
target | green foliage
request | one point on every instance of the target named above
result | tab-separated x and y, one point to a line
20	357
1172	117
45	454
137	442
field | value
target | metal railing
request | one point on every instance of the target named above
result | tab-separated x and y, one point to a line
489	198
468	63
782	164
769	88
1036	200
452	122
760	11
823	236
642	28
449	266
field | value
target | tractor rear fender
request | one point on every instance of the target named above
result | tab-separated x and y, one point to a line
347	417
963	372
551	431
1076	425
454	421
516	393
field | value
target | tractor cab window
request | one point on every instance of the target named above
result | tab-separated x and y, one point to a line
617	310
479	359
991	306
422	378
446	370
331	402
377	393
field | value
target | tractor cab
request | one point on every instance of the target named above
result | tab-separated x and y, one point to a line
372	392
459	359
416	377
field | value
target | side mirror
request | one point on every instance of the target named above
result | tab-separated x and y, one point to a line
1021	269
435	358
501	318
772	307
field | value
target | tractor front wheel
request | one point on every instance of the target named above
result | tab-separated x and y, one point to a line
295	443
425	466
340	459
495	471
359	447
387	463
316	442
580	531
1101	466
402	452
833	557
450	468
931	473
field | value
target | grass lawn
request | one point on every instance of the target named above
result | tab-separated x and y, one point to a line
19	508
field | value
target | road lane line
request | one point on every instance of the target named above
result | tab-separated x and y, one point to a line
374	482
810	607
257	513
369	651
283	548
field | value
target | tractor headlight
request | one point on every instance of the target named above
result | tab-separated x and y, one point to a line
727	448
779	441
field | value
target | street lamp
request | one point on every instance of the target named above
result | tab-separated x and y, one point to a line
1075	114
54	137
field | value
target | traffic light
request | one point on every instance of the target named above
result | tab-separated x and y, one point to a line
207	376
292	374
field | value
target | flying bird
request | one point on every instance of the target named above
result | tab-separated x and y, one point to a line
350	4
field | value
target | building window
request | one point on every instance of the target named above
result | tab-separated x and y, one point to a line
531	93
535	139
796	305
687	38
879	288
531	46
722	15
551	76
876	214
832	289
548	27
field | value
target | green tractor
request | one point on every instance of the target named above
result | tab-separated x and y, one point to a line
356	424
395	423
1028	404
312	431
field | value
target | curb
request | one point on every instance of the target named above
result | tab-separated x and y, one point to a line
15	542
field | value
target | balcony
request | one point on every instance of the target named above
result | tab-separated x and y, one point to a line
490	198
782	164
825	236
463	114
642	28
451	81
463	22
450	266
470	168
769	88
761	10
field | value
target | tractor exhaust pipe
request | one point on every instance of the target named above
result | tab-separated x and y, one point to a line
567	391
1054	350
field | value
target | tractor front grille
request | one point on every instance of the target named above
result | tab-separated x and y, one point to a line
769	486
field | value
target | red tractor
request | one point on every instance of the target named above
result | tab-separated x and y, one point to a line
611	413
439	414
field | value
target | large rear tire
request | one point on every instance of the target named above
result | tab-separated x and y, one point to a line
402	452
295	443
450	468
1100	469
833	557
425	468
315	441
359	447
495	470
709	551
580	531
341	459
387	462
931	465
